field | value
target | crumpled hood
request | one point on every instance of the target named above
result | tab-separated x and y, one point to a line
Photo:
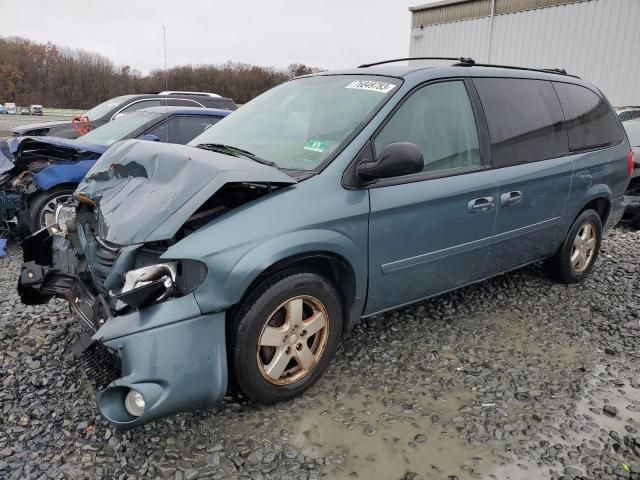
145	191
11	150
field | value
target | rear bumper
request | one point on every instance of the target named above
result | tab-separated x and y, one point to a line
632	196
615	214
169	352
632	204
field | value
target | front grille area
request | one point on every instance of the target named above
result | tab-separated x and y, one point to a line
106	255
100	365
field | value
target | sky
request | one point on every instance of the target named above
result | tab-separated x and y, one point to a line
322	33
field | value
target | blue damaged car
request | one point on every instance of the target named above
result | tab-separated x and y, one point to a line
37	174
250	253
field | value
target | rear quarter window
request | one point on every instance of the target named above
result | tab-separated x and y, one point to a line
221	103
590	121
524	118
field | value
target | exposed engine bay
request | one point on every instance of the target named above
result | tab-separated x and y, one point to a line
104	252
114	278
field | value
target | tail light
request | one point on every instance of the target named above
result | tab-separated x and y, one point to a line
631	158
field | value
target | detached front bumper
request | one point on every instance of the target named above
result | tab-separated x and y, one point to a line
169	352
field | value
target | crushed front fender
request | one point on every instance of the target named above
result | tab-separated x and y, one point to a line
176	361
170	352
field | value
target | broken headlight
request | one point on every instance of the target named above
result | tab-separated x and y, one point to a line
155	283
148	284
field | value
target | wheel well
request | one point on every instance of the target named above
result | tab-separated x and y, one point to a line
61	186
329	265
602	206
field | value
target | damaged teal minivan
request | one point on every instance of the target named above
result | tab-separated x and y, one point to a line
250	253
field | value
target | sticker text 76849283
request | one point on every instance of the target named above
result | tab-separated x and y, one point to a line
372	86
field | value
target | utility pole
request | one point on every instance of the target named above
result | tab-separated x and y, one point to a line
490	42
164	41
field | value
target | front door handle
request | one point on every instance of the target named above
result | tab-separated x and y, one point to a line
510	199
480	205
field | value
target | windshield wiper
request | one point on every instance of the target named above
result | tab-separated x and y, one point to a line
236	152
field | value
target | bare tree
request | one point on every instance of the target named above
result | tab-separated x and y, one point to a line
71	78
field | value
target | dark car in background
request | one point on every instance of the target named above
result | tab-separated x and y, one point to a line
39	173
119	106
632	196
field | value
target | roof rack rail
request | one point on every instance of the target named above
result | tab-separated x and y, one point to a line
195	94
470	62
460	60
558	71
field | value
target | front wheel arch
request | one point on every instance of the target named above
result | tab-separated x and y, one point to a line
253	316
335	268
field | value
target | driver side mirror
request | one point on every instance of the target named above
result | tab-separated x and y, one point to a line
395	160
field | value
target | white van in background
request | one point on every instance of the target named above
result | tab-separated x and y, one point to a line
36	110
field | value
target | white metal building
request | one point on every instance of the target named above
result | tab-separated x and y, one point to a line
598	40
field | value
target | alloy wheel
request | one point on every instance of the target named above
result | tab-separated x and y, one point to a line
292	340
584	247
48	213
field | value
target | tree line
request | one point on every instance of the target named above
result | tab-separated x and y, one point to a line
36	73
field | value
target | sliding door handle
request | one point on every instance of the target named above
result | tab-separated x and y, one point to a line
480	205
510	199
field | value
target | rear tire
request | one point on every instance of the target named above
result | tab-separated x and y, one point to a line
284	335
44	204
579	252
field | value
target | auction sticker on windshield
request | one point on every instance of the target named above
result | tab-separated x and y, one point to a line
371	85
315	146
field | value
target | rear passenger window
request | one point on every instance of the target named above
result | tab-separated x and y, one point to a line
439	119
134	107
188	128
524	119
590	120
182	129
182	102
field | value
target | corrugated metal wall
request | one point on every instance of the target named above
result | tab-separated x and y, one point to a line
476	9
598	40
451	13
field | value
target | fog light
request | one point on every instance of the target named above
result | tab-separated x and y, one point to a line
134	403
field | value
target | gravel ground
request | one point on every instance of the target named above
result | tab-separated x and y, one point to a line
514	378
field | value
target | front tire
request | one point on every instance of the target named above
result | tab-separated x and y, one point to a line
43	207
578	253
284	336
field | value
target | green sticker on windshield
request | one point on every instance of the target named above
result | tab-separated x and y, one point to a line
315	146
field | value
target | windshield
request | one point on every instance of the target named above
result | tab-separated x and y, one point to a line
119	129
101	110
300	124
632	128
